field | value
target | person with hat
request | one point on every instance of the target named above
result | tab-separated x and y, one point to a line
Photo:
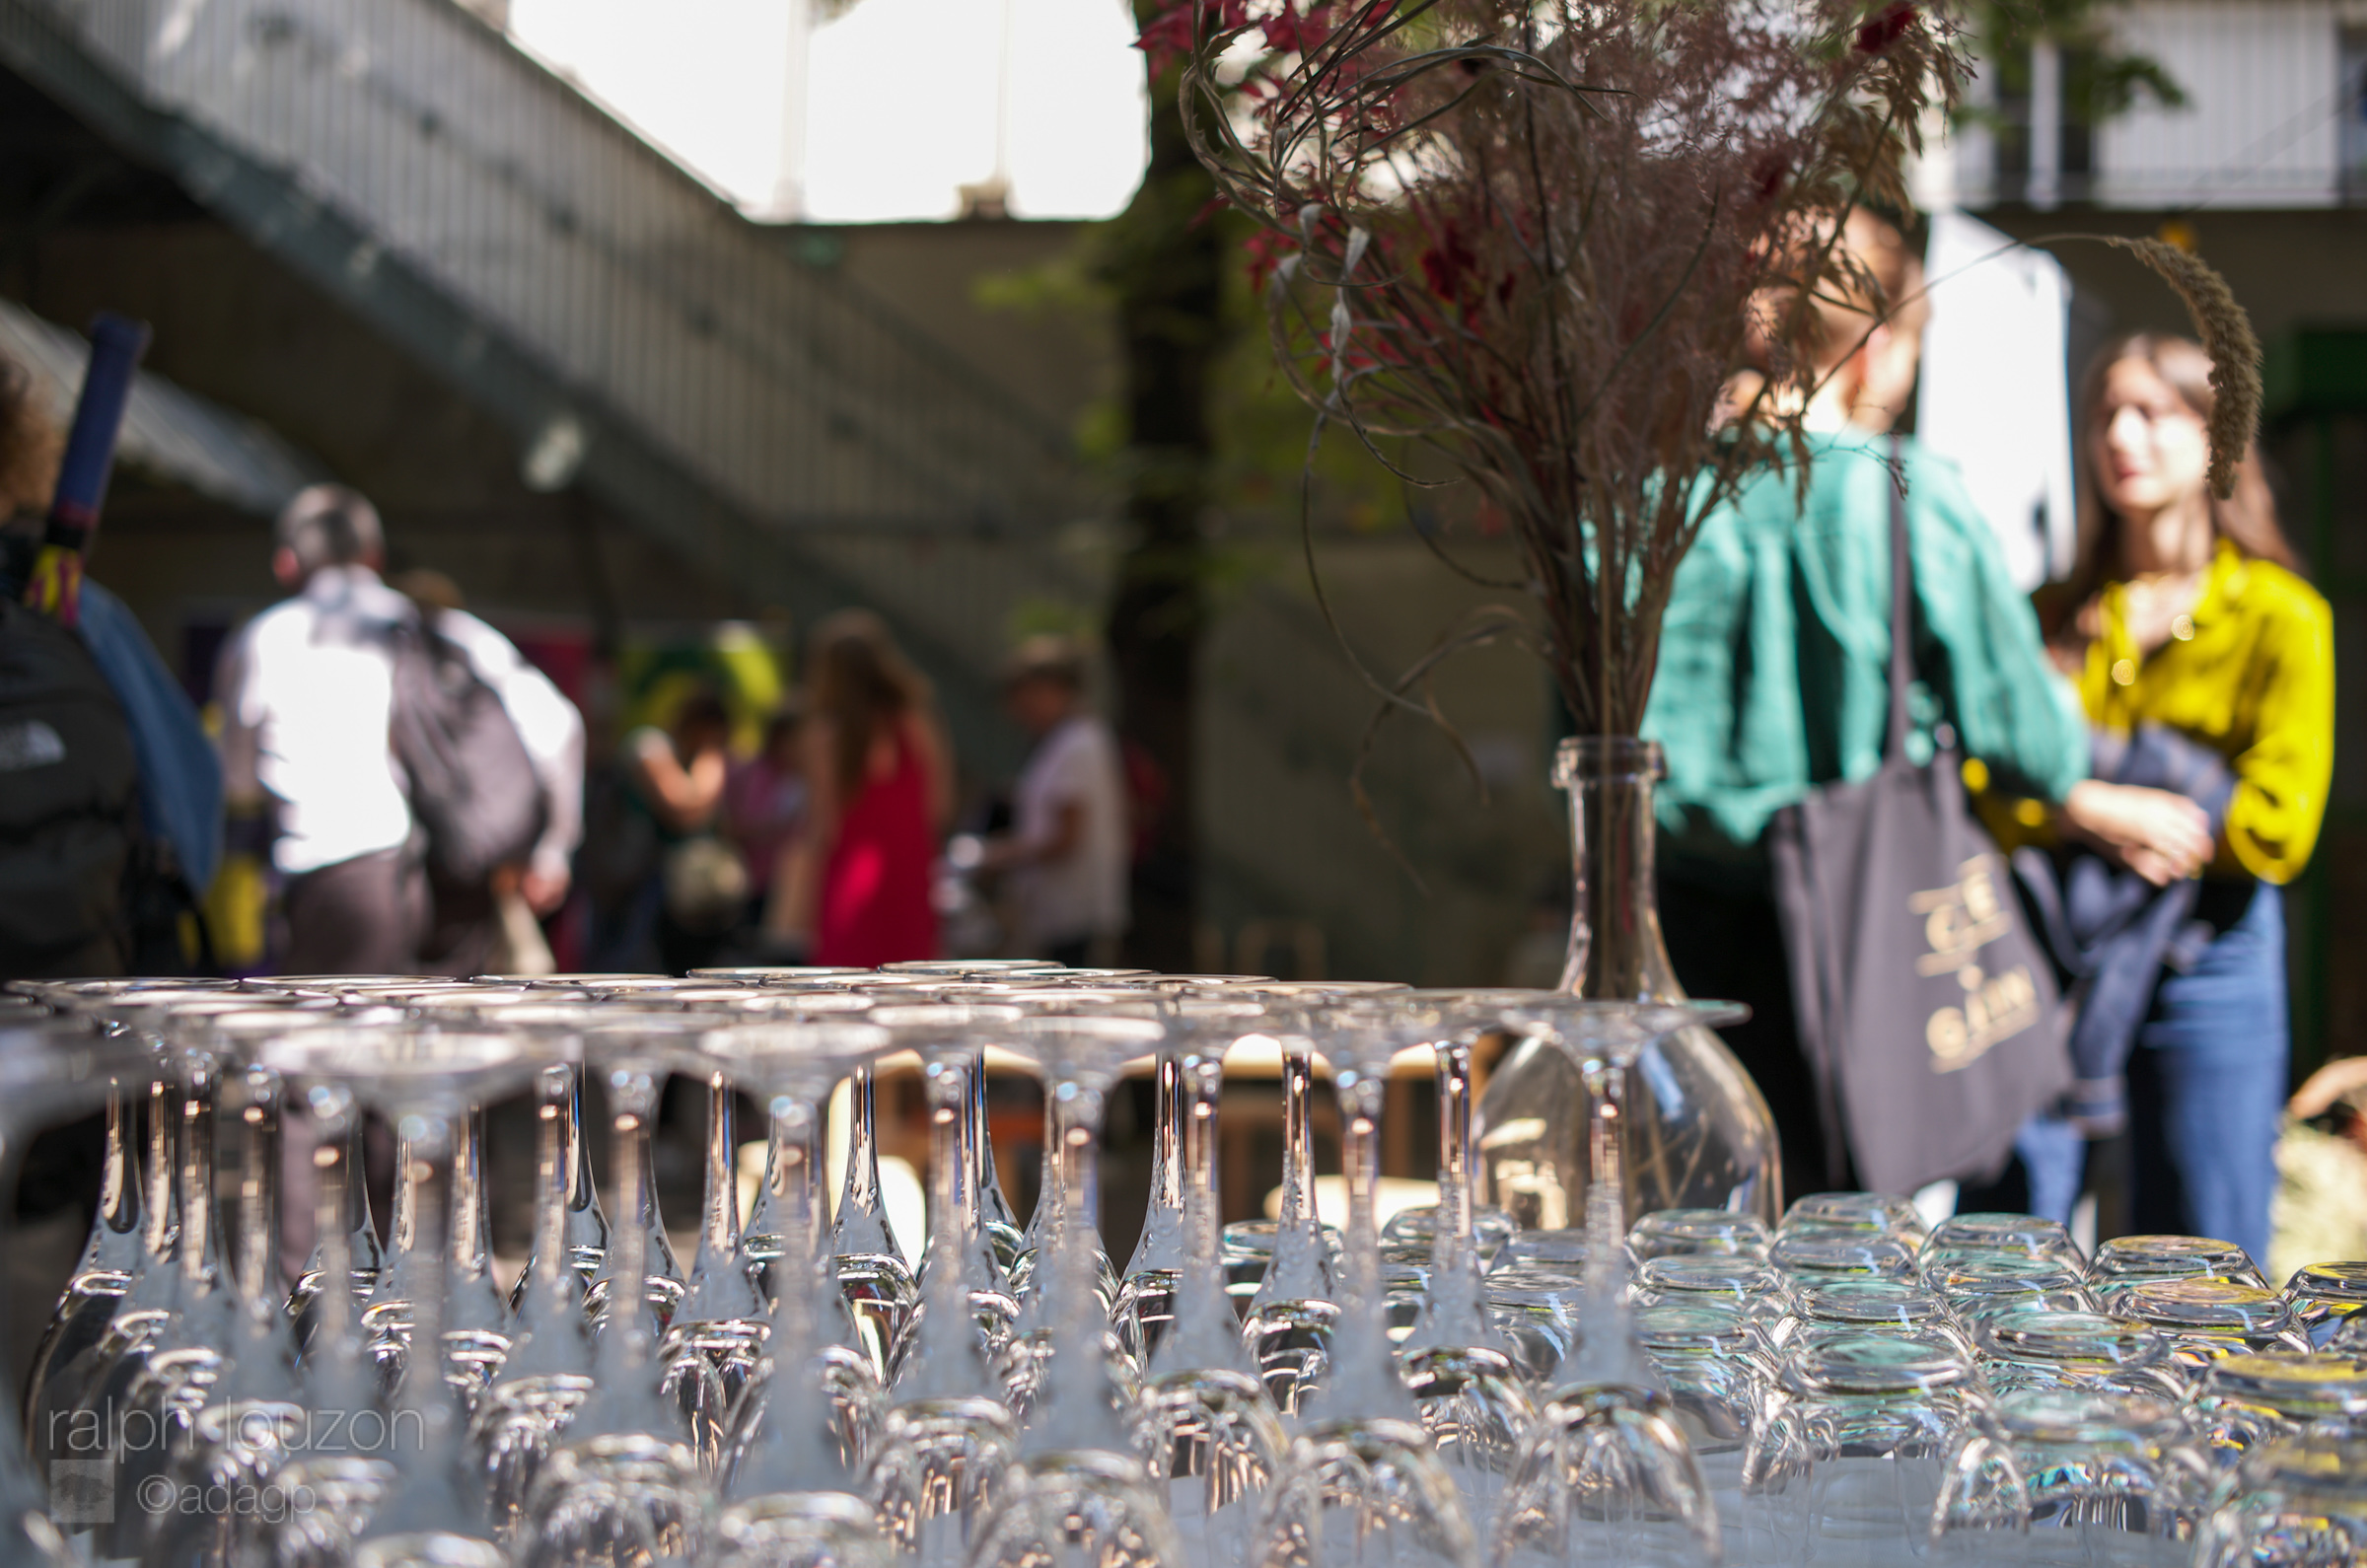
1065	859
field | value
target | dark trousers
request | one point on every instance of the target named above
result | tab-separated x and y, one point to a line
1727	945
361	916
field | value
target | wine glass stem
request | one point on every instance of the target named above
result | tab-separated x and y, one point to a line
1203	1085
633	1092
554	1140
953	1211
1455	1145
1606	1197
332	1305
722	1234
1167	1161
427	1144
1298	1138
978	1137
468	1218
162	1118
862	1190
1361	1151
198	1174
119	1188
258	1185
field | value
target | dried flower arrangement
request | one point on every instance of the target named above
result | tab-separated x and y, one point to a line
1521	244
1528	245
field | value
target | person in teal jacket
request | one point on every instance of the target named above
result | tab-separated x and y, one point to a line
1773	672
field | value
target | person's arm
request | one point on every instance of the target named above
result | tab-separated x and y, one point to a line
552	733
2159	834
2283	777
2011	709
684	798
789	915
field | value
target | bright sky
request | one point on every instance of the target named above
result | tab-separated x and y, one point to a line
901	101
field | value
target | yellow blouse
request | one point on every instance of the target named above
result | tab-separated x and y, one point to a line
2249	673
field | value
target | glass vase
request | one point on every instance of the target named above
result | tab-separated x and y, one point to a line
1699	1136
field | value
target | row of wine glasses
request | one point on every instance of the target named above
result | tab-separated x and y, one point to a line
1444	1388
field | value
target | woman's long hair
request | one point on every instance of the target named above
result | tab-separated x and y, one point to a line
2246	519
862	683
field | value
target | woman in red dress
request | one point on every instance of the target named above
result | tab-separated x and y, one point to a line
881	779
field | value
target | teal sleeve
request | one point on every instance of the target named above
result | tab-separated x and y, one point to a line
2003	694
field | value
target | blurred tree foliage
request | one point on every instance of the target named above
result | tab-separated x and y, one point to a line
2102	79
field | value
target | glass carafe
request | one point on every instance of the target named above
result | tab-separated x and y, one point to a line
1699	1135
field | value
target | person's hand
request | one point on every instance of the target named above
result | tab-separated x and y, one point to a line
2160	835
545	890
2327	1084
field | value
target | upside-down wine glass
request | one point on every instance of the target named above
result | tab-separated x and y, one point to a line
81	1400
251	1418
623	1481
1606	1473
948	1435
425	1079
793	1493
945	1035
1362	1481
547	1375
1292	1316
1077	1492
50	1070
662	1284
1473	1398
1205	1421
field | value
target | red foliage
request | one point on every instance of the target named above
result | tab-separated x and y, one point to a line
1887	26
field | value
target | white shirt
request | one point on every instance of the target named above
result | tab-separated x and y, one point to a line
307	690
1083	893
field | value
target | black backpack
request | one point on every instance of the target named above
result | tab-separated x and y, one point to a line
69	803
473	788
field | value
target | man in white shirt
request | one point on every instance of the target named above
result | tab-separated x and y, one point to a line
306	691
1068	853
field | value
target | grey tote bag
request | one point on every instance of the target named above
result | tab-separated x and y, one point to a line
1926	1009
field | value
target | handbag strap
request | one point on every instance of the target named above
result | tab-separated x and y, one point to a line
1902	607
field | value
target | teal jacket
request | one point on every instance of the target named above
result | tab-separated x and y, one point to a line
1774	655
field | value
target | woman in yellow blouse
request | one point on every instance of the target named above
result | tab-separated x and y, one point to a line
2187	613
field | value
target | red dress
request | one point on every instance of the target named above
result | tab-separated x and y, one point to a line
874	890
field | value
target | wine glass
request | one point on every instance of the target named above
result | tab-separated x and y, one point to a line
2249	1402
1607	1467
2301	1502
1848	1458
2325	1296
1472	1399
2063	1470
1295	1310
624	1032
794	1493
2076	1350
50	1070
424	1078
623	1481
960	1278
1077	1490
1362	1476
242	1418
547	1375
1204	1420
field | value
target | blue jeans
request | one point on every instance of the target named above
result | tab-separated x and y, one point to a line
2206	1085
2207	1091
